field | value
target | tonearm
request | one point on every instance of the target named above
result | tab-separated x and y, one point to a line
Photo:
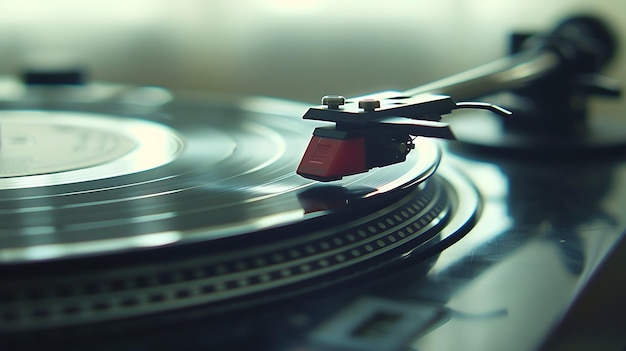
552	73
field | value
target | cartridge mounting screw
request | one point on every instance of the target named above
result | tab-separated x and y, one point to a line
369	104
333	101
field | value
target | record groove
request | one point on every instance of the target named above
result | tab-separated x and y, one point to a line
219	279
226	223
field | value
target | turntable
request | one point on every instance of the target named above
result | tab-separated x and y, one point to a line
133	218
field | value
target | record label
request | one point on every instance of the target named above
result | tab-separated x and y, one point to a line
42	148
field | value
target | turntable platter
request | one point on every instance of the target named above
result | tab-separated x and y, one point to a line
198	204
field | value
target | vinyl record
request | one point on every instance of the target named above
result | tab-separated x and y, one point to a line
117	208
85	182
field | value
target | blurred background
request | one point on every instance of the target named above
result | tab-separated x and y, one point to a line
294	49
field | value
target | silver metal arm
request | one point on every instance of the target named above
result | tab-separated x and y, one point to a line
500	75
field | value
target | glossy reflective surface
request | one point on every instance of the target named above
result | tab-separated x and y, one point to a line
545	228
542	229
192	172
